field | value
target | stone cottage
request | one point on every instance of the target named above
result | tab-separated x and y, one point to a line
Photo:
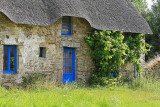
47	36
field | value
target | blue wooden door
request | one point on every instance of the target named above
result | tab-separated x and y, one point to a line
68	65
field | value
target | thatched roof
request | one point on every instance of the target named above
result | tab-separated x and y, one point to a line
116	15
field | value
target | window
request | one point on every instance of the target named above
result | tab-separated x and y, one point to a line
42	52
10	59
67	61
66	26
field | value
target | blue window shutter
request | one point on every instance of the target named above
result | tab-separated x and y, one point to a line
66	26
15	59
8	59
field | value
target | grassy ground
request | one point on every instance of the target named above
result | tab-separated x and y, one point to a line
79	97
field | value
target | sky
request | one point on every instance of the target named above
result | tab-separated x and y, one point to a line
149	3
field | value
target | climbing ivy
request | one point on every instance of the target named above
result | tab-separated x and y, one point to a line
109	50
137	47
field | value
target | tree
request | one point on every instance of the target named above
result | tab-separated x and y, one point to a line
153	18
141	6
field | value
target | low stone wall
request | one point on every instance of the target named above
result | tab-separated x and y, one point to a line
152	72
127	70
152	68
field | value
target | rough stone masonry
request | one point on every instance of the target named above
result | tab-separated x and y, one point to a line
29	38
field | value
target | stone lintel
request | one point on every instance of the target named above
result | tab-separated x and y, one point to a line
70	44
18	44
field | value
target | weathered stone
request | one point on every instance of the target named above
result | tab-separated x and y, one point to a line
70	44
127	70
7	84
29	39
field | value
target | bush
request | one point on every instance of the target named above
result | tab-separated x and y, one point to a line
111	82
148	84
136	84
109	50
95	80
32	79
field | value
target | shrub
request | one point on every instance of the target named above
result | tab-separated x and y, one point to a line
137	84
148	84
32	79
136	48
109	50
95	80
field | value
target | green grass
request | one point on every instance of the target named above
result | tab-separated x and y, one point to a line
80	97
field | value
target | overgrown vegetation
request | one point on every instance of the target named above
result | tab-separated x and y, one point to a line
141	6
109	50
35	80
137	47
152	16
142	93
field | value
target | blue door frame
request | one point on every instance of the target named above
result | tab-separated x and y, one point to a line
8	59
68	65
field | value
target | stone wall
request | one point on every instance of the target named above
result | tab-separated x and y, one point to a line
152	68
29	38
127	70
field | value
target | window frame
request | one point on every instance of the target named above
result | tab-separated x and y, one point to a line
8	60
43	52
70	27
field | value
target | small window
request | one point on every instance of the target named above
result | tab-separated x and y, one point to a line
66	26
10	59
42	52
